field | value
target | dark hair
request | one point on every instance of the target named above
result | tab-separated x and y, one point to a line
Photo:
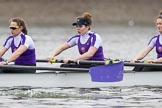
86	16
20	22
160	16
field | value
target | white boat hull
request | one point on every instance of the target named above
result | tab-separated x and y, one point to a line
80	80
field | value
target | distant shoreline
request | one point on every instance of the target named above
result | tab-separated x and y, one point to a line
64	12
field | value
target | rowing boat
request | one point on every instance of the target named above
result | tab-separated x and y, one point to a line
70	77
77	79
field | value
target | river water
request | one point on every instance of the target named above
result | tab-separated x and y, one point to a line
122	42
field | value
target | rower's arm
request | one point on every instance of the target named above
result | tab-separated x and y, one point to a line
87	55
17	53
158	60
60	49
2	51
143	53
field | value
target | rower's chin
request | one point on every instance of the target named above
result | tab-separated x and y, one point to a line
78	32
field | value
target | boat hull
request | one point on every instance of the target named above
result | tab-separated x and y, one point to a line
77	79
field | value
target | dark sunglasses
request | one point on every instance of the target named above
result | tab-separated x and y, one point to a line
14	28
79	26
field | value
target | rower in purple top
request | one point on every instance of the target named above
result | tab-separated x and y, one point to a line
89	43
22	45
156	41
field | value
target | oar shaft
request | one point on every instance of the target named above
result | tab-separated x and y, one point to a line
143	64
19	67
79	62
88	62
41	60
52	61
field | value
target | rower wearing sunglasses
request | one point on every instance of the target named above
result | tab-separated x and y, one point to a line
22	45
89	43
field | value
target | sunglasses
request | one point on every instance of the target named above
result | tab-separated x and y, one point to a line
79	26
14	28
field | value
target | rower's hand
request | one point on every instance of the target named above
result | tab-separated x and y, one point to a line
133	60
68	61
50	58
3	63
151	61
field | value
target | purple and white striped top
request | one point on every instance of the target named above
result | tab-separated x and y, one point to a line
84	42
156	41
14	42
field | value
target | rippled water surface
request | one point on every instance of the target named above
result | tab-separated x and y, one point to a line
119	42
112	97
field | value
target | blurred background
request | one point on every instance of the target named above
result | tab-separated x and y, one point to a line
64	12
125	26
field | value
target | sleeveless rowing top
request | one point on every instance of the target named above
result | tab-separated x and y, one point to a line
26	58
85	47
158	47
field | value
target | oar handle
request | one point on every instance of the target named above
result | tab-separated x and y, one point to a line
56	61
52	61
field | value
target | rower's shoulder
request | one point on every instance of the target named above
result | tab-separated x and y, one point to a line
156	36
